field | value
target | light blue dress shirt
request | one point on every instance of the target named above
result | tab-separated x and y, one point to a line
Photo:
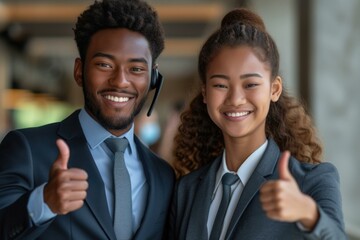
95	135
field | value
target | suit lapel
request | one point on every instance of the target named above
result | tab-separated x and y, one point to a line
80	157
197	226
152	181
266	167
251	188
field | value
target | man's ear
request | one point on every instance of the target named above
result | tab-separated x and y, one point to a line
203	92
78	72
276	89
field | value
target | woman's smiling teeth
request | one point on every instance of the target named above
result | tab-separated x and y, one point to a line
117	99
237	114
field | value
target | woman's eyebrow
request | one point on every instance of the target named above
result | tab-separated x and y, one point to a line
243	76
249	75
219	76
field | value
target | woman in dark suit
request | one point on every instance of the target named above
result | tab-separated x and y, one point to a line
243	122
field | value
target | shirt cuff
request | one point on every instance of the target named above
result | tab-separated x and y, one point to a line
301	227
38	210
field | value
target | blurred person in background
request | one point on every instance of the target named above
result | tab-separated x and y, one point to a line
159	135
56	181
237	177
148	129
172	122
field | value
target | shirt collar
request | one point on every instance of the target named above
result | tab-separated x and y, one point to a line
95	134
246	169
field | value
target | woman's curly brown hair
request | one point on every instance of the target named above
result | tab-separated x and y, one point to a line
199	140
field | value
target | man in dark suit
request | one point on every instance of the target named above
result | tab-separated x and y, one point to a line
56	180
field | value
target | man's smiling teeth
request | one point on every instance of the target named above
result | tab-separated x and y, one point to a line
117	99
237	114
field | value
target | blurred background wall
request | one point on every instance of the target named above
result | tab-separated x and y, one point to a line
335	86
318	42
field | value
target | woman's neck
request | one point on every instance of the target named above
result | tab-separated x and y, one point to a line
239	149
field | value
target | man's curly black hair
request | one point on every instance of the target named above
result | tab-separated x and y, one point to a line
135	15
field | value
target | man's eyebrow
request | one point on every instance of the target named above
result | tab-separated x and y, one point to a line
143	60
100	54
105	55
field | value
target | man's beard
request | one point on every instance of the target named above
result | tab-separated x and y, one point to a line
109	122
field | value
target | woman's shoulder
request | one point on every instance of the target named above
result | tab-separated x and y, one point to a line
194	175
303	168
309	176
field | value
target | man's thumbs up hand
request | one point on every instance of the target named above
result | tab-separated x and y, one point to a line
63	158
282	199
66	188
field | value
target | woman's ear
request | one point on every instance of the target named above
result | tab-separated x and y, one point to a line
78	72
203	92
276	89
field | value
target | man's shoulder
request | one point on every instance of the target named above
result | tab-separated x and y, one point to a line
150	156
48	127
40	133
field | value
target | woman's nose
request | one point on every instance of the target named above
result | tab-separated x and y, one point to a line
236	96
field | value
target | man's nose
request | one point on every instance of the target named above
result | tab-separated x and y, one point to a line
119	79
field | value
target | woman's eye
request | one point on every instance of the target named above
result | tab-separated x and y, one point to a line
219	86
251	85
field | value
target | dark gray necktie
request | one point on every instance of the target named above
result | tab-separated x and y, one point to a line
122	186
227	180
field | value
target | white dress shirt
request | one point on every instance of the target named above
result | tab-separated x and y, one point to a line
244	173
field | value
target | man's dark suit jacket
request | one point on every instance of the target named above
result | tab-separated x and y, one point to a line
25	160
192	198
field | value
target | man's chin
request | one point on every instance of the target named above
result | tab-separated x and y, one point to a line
119	123
118	119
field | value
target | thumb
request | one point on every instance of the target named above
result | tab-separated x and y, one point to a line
283	167
64	154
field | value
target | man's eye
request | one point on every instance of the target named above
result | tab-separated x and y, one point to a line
136	69
104	65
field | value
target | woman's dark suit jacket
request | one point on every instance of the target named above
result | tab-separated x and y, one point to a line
192	198
25	159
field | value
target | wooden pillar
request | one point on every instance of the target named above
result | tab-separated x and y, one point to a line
304	51
4	81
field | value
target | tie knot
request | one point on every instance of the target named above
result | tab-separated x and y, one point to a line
117	144
229	179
